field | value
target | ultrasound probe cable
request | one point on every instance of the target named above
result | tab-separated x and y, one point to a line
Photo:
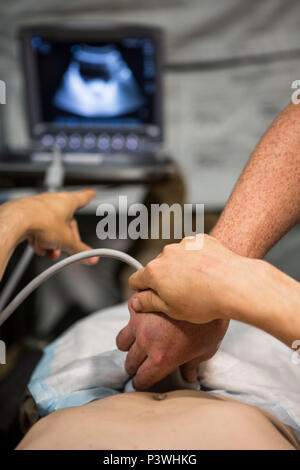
45	275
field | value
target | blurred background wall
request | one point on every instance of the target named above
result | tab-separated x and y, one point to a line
229	66
228	70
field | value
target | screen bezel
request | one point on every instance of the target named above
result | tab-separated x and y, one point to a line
87	31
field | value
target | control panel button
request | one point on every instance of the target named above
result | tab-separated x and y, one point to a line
103	142
47	140
89	141
132	142
117	142
61	140
75	141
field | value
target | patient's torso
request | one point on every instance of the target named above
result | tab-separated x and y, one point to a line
183	419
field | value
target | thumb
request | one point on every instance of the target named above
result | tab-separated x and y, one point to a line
148	301
74	245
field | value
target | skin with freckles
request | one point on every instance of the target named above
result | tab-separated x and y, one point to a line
264	205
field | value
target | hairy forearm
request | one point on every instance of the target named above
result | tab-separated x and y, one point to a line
270	301
13	230
265	203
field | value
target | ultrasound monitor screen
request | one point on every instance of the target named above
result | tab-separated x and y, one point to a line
109	83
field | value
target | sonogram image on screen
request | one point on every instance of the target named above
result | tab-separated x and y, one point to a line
98	83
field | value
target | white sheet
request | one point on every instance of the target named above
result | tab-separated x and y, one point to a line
83	364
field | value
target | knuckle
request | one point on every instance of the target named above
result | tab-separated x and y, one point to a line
142	339
167	249
187	239
158	358
151	268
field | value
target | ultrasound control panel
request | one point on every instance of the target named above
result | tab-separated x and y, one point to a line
103	142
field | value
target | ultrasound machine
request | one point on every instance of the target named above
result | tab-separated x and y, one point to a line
93	92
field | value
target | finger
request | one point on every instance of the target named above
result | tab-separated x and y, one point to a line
53	254
125	338
148	301
39	251
75	230
135	357
149	374
189	370
72	246
139	280
82	198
